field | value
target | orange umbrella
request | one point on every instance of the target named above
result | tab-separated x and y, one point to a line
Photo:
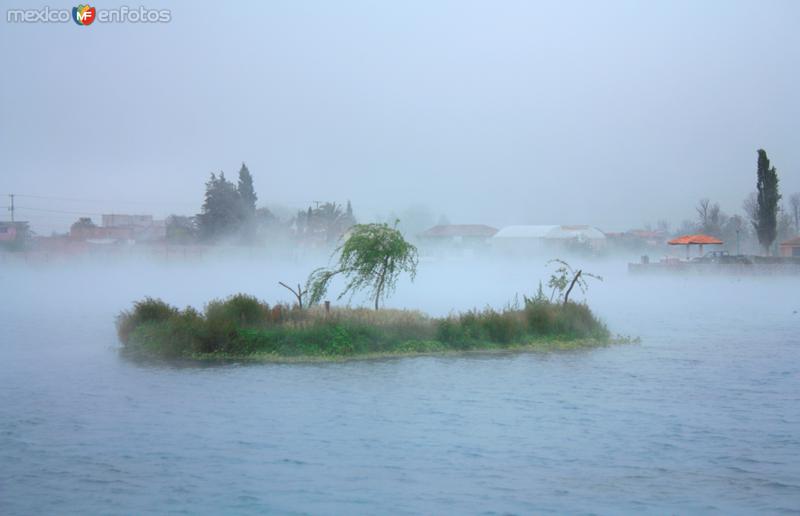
700	240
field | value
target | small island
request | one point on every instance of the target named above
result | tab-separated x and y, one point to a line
371	258
243	328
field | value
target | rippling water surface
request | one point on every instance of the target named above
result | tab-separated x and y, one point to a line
703	416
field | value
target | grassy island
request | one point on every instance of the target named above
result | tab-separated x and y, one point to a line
242	327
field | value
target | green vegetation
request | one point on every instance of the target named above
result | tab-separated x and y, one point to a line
371	258
243	327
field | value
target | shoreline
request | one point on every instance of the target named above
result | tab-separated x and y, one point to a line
543	346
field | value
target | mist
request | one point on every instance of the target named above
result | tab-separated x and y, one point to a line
577	113
569	296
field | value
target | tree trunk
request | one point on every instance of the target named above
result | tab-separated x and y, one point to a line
574	280
380	286
297	293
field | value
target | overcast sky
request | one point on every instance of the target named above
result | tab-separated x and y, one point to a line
607	113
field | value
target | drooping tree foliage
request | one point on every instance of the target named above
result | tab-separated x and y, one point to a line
372	259
767	197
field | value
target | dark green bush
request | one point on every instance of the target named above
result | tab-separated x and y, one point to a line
540	317
148	310
242	309
471	327
340	342
502	327
577	320
451	332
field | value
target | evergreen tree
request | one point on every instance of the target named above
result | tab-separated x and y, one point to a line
349	219
222	213
246	191
767	197
794	203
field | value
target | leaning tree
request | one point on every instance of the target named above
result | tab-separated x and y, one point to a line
371	258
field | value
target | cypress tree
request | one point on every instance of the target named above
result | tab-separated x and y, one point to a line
349	218
246	191
767	197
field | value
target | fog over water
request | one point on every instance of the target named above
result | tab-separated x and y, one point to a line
613	115
701	416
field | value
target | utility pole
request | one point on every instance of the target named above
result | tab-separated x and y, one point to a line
11	208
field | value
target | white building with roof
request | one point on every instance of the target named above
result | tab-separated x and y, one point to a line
533	238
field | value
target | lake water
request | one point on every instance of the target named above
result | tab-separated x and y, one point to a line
703	416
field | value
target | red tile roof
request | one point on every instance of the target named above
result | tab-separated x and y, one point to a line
695	239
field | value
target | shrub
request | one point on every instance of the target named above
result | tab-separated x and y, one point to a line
242	309
540	317
447	330
340	341
148	310
501	327
471	326
577	320
250	340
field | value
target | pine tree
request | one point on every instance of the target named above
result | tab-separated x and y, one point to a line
246	191
766	223
221	213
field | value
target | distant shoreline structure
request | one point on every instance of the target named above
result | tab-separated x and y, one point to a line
745	265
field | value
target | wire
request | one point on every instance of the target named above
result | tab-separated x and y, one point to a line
57	211
74	199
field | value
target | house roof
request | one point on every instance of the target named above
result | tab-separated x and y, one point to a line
792	242
525	231
551	232
579	232
695	239
459	230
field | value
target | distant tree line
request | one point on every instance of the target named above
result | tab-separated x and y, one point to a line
765	219
229	213
325	223
228	210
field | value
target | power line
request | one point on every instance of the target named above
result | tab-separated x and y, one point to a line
119	201
60	211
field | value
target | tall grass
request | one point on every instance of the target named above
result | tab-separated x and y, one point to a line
242	325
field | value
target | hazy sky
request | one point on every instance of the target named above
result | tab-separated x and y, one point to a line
606	113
